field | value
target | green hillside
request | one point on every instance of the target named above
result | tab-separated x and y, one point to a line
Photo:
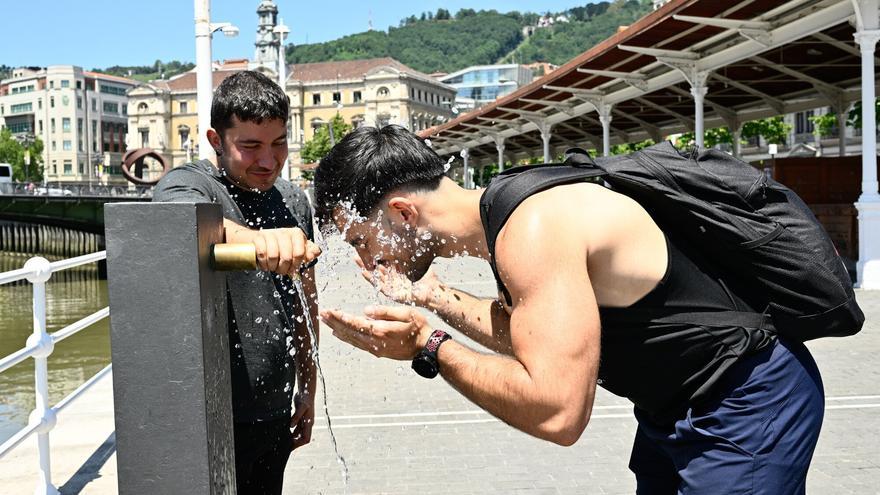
444	42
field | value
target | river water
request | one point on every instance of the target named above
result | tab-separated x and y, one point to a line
71	295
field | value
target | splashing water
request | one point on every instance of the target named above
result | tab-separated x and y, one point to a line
315	356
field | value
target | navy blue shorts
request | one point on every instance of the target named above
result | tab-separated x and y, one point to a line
756	435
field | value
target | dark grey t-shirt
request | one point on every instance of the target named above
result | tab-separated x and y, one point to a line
262	306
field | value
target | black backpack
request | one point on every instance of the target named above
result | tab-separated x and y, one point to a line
758	232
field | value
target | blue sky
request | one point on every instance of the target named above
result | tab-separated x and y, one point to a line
101	33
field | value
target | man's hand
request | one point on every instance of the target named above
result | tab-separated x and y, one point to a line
303	419
399	288
282	251
390	332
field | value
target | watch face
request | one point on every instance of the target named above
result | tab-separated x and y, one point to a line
425	366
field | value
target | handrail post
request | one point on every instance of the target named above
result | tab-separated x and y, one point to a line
42	413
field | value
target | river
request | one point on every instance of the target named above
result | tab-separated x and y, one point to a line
71	295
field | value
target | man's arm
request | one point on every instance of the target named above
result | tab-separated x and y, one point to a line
547	388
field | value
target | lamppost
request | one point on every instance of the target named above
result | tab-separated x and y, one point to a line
26	140
204	79
282	31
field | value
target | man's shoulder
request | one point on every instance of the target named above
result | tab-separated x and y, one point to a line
193	171
292	194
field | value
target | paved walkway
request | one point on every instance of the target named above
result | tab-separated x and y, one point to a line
400	434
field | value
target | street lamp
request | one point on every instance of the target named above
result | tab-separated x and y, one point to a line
204	79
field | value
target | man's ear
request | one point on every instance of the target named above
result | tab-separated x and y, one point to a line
404	210
215	140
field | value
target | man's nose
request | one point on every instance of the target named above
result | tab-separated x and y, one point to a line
266	159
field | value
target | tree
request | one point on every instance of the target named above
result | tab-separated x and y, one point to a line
825	124
773	129
317	148
854	119
12	152
627	148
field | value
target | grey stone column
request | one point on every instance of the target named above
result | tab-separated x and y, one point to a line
170	349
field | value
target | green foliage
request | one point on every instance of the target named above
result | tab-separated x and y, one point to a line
5	71
824	124
773	129
424	45
316	148
444	42
12	152
627	148
564	41
145	73
854	119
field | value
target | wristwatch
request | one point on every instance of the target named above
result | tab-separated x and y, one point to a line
425	362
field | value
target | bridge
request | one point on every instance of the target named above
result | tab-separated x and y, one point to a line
77	207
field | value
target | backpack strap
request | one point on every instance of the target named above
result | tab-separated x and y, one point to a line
515	185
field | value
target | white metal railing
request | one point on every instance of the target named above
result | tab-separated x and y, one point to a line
39	346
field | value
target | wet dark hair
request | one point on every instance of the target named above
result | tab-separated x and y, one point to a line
249	96
368	163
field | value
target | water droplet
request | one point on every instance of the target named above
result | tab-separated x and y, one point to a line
259	319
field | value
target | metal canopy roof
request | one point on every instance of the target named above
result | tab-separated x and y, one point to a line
763	58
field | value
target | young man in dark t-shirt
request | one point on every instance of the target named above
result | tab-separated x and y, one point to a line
269	341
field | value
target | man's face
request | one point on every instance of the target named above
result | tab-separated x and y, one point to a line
253	154
380	240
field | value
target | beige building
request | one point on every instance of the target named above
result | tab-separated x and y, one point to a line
80	116
163	114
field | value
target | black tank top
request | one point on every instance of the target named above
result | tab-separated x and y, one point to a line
665	367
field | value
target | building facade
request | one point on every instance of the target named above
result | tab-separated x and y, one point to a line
81	117
163	114
478	85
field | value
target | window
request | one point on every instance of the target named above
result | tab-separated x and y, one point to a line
81	167
112	90
337	97
52	124
54	167
40	123
316	98
65	124
51	102
19	127
142	107
2	111
39	103
124	109
79	102
111	107
67	145
79	85
68	167
65	83
145	138
51	84
21	108
356	96
382	92
184	107
54	146
94	105
80	147
79	125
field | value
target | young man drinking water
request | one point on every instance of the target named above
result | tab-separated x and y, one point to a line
721	409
